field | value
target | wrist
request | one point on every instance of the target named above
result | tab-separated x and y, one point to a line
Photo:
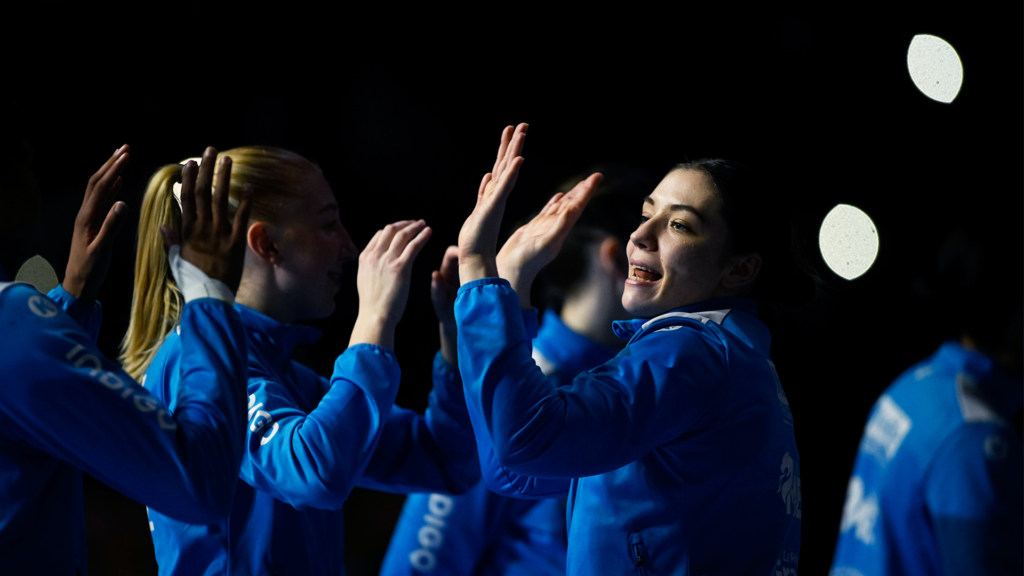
476	266
373	329
449	344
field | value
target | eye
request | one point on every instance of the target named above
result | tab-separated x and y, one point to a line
332	225
679	226
643	219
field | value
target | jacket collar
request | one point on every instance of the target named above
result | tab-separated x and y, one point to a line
707	311
980	376
275	341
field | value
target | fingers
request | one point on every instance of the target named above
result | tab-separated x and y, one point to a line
412	249
506	138
388	233
104	185
402	238
507	181
95	178
483	185
204	182
188	197
170	236
220	194
111	224
449	271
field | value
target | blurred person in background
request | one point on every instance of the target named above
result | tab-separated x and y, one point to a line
485	533
936	485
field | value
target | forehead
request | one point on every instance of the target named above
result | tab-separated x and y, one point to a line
687	187
318	194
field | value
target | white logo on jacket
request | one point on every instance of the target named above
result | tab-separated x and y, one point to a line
42	306
430	536
860	512
261	419
789	487
886	430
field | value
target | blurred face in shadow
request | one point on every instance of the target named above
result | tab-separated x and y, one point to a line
677	254
313	245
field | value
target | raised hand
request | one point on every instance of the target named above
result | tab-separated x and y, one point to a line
209	238
478	239
385	266
95	227
444	287
535	244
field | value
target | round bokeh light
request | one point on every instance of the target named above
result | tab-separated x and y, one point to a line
935	67
848	241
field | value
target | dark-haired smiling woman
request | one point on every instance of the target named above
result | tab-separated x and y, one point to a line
678	455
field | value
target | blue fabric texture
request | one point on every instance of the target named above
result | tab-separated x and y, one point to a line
65	408
481	532
310	440
677	456
936	486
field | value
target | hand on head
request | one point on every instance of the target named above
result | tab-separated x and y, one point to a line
209	238
95	227
385	266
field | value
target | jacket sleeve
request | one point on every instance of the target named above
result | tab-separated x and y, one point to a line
442	534
314	459
434	452
65	398
88	317
973	496
659	388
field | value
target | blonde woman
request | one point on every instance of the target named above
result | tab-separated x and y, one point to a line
310	438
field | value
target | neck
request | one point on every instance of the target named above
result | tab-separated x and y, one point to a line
255	294
591	310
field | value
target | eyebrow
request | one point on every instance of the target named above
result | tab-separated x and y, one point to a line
328	208
676	207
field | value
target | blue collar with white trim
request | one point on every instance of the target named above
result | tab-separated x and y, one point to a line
714	310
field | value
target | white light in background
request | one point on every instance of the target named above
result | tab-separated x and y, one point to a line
935	67
848	241
176	187
37	272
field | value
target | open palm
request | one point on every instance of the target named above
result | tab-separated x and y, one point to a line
535	244
478	239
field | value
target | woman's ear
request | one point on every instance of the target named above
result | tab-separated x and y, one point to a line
743	272
612	257
261	244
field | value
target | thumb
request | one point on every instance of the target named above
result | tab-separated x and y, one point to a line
170	236
111	224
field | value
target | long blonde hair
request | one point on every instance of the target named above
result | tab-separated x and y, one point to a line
278	178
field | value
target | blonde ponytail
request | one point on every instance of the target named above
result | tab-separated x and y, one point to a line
157	302
279	178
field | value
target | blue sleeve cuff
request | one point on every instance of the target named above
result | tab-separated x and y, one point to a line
443	368
376	349
482	282
88	317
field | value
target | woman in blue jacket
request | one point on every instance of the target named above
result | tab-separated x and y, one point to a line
65	408
481	532
310	439
678	455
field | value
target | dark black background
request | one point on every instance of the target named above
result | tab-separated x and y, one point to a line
403	111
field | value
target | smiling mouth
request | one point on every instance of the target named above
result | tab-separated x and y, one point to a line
642	274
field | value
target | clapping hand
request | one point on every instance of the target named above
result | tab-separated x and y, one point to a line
97	223
478	239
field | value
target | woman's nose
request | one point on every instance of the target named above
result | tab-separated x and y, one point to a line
641	236
349	251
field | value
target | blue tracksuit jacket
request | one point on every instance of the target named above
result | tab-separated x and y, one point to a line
677	456
936	487
482	533
310	440
65	408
